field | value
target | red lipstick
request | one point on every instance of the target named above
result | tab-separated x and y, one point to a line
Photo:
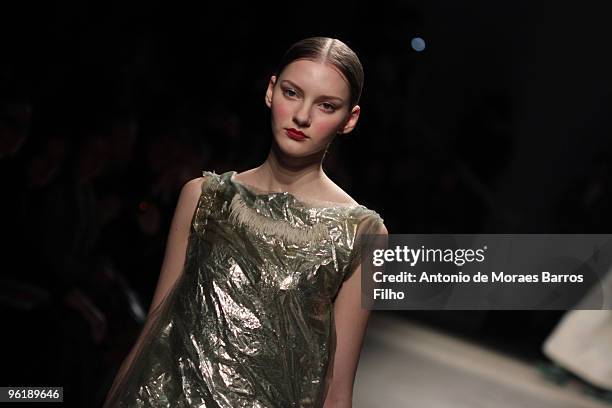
295	134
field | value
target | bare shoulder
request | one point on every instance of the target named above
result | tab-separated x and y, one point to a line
382	230
337	194
190	194
245	177
193	187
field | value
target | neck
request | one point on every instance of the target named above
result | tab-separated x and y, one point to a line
278	173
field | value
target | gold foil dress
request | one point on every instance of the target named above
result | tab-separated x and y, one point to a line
249	322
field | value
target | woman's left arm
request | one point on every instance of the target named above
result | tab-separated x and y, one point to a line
351	322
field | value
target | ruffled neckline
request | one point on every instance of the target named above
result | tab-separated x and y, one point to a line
302	201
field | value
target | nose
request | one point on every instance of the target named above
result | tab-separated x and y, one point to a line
302	116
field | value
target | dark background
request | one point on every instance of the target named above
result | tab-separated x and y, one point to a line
501	125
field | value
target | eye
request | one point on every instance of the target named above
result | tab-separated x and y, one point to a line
289	92
328	107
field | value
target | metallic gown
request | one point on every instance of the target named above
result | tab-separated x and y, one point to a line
249	322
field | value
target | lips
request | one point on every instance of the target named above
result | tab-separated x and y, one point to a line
295	134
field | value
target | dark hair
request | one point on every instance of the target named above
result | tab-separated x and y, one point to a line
329	50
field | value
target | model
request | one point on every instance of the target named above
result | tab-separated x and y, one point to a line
258	302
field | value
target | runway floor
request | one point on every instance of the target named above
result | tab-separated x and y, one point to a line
406	364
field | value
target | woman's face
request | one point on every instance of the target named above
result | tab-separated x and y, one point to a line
312	98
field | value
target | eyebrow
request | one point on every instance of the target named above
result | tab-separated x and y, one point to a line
322	96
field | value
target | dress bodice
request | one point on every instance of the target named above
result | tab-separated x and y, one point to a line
250	321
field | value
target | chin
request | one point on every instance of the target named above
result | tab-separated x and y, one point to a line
294	149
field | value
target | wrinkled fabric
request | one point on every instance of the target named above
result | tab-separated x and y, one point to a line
249	322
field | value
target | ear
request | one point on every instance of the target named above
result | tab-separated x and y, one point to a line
351	122
270	91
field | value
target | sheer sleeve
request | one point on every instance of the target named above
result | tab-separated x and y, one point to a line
130	366
130	363
369	230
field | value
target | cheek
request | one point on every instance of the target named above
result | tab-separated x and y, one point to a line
280	111
324	127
